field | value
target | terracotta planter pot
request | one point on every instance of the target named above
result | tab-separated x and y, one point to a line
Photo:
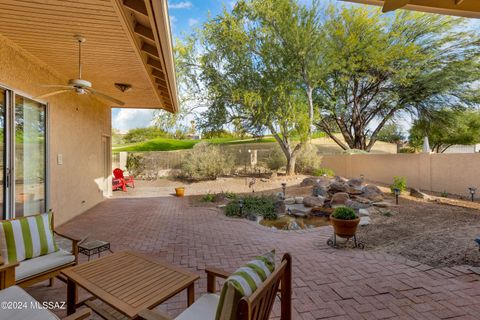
180	192
344	228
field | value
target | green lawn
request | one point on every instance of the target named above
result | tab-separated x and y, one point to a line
165	144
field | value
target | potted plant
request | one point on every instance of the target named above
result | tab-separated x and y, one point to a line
344	222
180	191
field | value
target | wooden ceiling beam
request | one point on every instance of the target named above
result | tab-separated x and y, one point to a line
144	32
458	2
154	64
137	6
150	50
158	74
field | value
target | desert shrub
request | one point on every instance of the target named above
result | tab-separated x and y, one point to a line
229	195
308	160
399	183
205	162
209	197
275	159
407	150
252	205
135	164
324	171
344	213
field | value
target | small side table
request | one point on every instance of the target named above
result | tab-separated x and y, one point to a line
94	247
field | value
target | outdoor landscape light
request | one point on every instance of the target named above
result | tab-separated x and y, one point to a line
472	192
397	193
284	188
240	205
362	176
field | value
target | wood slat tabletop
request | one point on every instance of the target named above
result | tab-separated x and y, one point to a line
129	281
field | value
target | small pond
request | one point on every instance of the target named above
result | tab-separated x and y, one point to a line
296	223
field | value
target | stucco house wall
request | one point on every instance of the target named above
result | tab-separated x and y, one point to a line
76	125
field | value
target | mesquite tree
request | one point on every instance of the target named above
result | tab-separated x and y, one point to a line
377	66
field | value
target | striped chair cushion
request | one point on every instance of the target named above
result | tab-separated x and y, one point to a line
242	283
26	237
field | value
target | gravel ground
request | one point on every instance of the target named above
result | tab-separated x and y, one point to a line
437	234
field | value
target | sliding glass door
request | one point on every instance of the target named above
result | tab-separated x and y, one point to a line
22	155
29	157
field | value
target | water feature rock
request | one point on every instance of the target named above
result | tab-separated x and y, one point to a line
280	207
353	191
340	179
313	201
356	205
364	221
308	181
362	200
289	201
298	200
319	190
363	213
298	210
337	187
339	198
321	212
293	225
356	183
371	188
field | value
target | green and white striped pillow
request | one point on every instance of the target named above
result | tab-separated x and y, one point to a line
242	283
26	237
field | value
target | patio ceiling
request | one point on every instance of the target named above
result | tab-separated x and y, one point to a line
128	41
463	8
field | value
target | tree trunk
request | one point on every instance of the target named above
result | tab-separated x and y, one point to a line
310	109
291	159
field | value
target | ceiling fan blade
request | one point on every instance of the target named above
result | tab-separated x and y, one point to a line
57	86
390	5
104	96
46	95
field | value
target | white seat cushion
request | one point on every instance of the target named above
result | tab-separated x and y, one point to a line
203	309
26	312
31	267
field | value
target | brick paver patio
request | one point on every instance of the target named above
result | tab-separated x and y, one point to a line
328	283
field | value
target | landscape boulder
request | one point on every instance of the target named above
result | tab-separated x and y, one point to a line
354	191
319	190
298	200
289	201
362	200
310	181
339	199
419	194
356	183
337	186
372	193
356	205
312	202
280	207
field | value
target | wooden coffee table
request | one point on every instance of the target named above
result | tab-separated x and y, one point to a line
128	282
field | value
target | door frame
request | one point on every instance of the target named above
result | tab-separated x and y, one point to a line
9	151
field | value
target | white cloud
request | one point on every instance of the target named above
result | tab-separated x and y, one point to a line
127	119
192	22
180	5
173	19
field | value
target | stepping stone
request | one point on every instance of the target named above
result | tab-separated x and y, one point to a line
363	213
364	221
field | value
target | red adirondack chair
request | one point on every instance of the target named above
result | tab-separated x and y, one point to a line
128	180
118	184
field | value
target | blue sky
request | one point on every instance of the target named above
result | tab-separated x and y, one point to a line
184	17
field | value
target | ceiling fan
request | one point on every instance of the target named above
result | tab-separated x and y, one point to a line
80	86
